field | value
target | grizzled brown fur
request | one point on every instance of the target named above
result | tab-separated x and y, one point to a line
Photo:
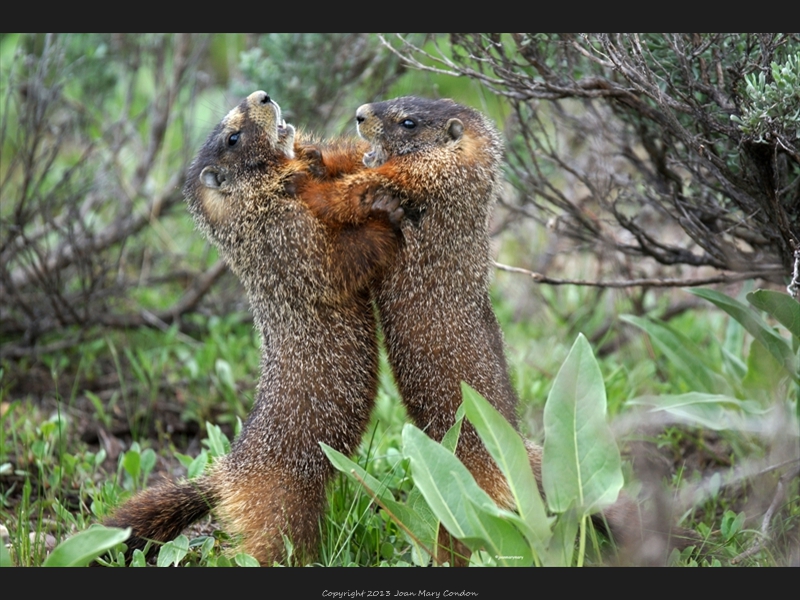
444	159
307	280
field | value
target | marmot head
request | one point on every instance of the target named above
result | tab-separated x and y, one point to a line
239	156
410	124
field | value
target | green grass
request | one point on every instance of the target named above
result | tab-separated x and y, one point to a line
152	393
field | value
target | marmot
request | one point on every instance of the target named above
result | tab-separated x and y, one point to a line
307	281
444	159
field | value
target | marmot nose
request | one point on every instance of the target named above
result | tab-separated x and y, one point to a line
361	113
263	97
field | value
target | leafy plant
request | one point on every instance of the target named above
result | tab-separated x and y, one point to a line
725	392
579	481
759	401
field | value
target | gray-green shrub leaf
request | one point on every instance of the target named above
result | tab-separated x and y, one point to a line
499	536
173	552
414	515
245	560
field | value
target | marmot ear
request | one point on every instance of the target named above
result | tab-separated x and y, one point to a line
455	129
211	178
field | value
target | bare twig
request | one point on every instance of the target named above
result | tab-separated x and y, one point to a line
539	278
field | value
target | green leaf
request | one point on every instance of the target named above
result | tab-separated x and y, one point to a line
450	439
689	360
753	323
445	483
217	442
424	526
245	560
148	461
765	377
562	545
131	462
508	450
732	350
138	559
581	464
5	557
784	308
349	467
198	465
173	552
499	536
731	524
713	411
84	547
225	373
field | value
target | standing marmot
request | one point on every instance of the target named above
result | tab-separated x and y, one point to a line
307	281
434	305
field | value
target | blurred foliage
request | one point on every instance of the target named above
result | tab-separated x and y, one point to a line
319	79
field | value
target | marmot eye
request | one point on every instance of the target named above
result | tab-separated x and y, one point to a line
233	138
408	124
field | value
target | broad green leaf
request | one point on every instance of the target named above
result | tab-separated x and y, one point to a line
733	350
731	524
713	411
581	463
498	536
84	547
424	527
445	483
784	308
245	560
508	450
138	559
225	373
217	442
173	552
131	461
756	326
198	465
689	360
348	467
64	514
184	459
450	439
